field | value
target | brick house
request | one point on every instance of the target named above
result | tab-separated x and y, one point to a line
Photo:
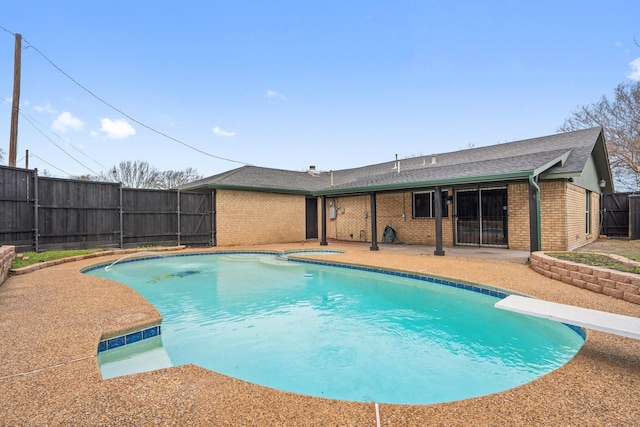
536	194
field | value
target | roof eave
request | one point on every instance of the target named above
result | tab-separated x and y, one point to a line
253	188
422	184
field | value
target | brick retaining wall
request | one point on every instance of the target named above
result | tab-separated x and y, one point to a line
617	284
6	258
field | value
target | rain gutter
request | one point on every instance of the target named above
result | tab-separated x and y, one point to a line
536	188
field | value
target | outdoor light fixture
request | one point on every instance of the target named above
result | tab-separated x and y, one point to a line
603	183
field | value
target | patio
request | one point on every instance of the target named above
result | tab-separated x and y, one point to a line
52	320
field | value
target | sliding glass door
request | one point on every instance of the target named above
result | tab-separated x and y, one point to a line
481	217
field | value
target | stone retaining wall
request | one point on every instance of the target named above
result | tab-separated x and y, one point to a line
6	258
616	284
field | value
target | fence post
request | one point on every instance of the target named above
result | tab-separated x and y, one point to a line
36	207
178	196
121	218
634	216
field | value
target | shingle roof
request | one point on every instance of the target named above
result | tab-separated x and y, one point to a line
512	160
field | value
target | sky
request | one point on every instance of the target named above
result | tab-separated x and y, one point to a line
214	85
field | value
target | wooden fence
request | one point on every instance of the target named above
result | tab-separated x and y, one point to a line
42	213
621	215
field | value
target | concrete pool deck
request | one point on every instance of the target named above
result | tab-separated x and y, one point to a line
51	321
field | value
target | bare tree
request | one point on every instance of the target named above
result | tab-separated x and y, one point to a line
1	155
172	179
137	174
620	120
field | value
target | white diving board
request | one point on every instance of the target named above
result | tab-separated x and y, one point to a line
611	323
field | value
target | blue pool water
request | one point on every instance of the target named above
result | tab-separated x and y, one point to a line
335	332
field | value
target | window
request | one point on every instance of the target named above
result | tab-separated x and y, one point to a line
424	207
587	211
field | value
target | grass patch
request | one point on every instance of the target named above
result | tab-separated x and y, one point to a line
29	258
634	256
595	260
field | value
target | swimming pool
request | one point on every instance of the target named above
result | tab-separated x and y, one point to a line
343	333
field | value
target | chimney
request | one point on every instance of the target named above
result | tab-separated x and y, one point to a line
312	168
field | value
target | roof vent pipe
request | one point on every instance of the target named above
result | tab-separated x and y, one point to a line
433	159
312	168
331	174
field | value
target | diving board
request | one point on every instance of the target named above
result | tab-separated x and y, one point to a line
611	323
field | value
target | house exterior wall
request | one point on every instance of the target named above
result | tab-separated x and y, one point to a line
350	223
562	207
253	218
563	216
518	216
553	215
393	209
576	217
247	218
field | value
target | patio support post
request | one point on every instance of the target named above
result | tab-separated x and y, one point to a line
535	235
438	211
214	225
374	225
323	220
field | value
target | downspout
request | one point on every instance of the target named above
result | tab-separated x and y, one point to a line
534	214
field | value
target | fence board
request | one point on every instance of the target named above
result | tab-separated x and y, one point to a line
16	208
75	214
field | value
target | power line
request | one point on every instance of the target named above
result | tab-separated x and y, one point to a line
60	148
68	142
44	161
119	110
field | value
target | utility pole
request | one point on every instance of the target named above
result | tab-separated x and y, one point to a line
15	103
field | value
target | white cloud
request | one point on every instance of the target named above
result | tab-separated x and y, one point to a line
634	74
65	121
117	129
221	132
271	94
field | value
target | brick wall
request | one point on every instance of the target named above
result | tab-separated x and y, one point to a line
518	216
253	218
7	254
393	209
616	284
553	215
576	217
245	217
350	223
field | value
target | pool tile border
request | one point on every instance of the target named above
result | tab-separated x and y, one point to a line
130	338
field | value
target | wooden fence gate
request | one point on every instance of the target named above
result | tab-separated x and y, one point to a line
615	214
